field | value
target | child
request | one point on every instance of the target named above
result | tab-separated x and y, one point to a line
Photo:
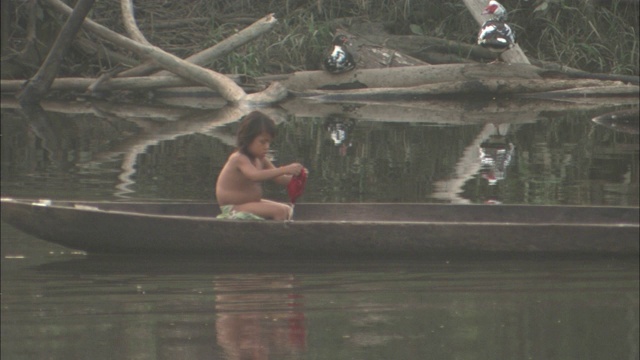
239	186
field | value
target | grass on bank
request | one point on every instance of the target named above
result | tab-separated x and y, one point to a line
592	35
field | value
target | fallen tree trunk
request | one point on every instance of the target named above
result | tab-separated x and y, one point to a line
391	83
407	76
81	84
39	84
227	89
309	80
232	93
442	51
481	87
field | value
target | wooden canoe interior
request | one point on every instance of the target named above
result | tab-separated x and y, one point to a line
370	212
328	230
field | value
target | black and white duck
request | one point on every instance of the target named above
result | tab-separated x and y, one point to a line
495	34
338	59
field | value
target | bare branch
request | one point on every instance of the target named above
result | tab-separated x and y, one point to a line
129	20
227	88
222	48
42	80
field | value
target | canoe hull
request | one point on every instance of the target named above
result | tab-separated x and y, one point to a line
152	231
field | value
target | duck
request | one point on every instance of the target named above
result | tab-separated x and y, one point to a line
495	34
338	59
496	10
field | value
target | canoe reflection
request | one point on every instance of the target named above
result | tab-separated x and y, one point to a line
259	316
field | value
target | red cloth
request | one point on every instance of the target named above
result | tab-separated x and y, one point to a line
296	185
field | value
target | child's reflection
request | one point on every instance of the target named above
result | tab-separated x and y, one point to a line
259	317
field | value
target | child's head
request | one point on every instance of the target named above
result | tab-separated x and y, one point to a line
253	125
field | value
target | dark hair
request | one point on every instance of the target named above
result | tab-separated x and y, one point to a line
251	126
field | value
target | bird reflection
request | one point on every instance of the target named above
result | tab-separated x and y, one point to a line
340	129
496	153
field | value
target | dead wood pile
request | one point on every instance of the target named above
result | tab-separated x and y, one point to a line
389	67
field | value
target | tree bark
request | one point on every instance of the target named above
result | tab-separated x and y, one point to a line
310	80
480	87
39	84
226	87
81	84
129	20
407	76
431	80
512	56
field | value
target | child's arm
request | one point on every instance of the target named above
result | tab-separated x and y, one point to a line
252	173
282	179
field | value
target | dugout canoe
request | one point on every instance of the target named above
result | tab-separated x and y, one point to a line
328	230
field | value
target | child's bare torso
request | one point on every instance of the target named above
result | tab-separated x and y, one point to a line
233	188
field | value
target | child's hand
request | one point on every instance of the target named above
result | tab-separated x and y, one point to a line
293	169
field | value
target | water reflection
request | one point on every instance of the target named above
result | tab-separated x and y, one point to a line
488	155
624	121
196	309
259	316
340	128
431	151
496	154
61	306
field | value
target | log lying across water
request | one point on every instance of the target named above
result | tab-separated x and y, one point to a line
379	84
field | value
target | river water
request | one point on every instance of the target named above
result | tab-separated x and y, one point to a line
59	303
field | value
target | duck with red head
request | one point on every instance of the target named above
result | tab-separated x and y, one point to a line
495	34
496	10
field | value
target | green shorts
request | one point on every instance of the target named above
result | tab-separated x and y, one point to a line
229	213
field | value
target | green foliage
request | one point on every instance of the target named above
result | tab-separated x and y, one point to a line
596	36
297	44
581	34
597	39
